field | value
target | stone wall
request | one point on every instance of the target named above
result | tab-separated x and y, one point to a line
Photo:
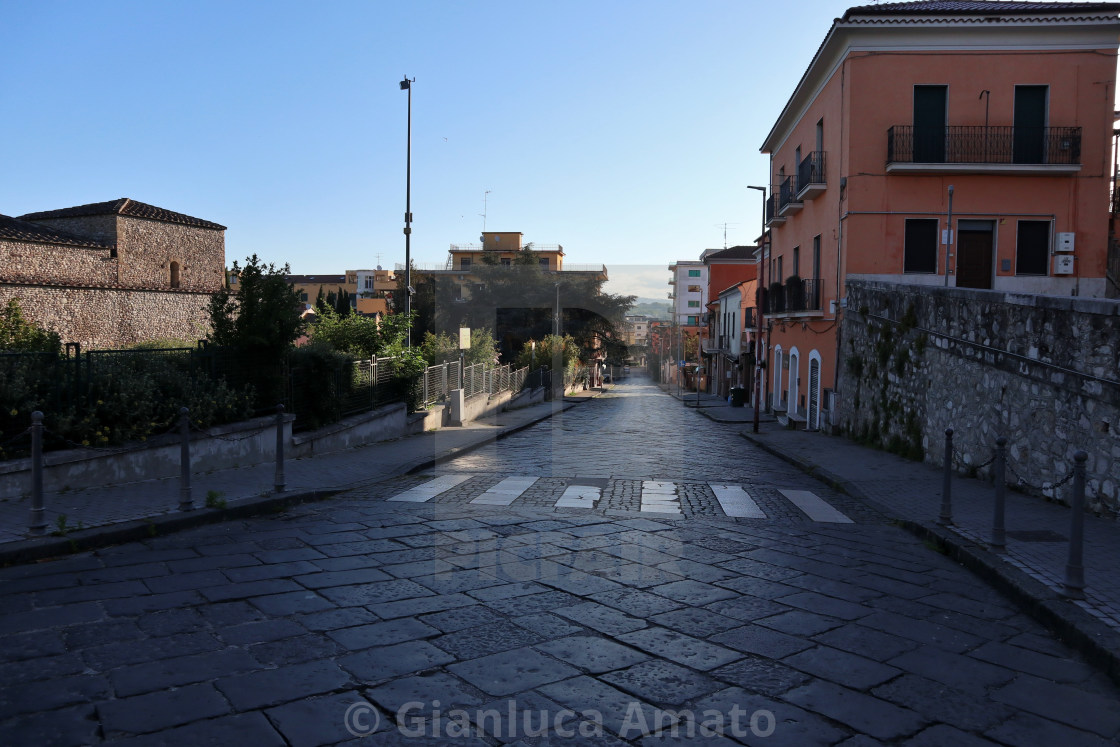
48	263
147	248
1043	371
112	317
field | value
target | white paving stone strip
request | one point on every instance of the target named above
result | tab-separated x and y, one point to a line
427	491
579	496
736	502
815	506
660	497
505	492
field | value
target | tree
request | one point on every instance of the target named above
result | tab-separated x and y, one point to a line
17	333
548	352
263	316
442	348
361	336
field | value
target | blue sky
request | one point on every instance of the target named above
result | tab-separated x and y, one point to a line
625	131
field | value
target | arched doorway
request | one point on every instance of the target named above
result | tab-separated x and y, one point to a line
777	377
794	379
813	416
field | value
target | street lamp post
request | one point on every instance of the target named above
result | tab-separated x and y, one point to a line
406	85
758	312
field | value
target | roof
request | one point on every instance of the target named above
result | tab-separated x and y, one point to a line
974	7
125	206
734	252
15	229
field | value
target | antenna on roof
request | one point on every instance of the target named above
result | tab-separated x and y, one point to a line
483	213
725	225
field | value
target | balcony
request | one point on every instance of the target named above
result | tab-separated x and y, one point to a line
787	196
772	216
810	176
792	297
980	149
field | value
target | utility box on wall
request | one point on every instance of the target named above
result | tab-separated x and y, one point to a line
1063	264
1065	241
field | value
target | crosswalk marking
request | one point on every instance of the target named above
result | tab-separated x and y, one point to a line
736	503
815	507
660	497
579	496
426	491
506	491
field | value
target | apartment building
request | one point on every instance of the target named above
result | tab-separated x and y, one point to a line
963	143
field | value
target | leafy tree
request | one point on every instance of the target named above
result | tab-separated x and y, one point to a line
320	301
550	351
442	348
263	316
17	333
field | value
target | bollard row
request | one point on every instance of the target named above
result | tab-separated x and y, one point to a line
1073	586
37	524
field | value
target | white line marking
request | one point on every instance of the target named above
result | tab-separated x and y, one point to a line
736	502
426	491
579	496
505	492
815	506
660	497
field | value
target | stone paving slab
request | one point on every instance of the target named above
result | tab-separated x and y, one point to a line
1033	571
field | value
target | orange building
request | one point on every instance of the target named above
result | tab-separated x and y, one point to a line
993	119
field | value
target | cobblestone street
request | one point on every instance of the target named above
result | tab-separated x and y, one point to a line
626	573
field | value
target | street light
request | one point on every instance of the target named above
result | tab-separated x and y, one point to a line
406	85
758	312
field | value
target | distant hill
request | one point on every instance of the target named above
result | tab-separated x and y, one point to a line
654	308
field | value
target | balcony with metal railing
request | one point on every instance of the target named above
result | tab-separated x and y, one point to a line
795	296
772	216
980	149
788	201
810	176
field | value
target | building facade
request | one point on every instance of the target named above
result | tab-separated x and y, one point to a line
113	274
963	144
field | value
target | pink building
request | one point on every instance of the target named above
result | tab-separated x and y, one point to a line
998	113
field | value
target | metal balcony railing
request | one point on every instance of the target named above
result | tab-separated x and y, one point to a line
772	210
793	295
787	191
977	144
811	170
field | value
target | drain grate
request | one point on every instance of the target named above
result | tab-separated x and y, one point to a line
1036	535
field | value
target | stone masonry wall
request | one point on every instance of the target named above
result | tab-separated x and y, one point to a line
148	247
1043	371
112	317
47	263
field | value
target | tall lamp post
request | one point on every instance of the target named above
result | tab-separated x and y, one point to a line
758	312
406	85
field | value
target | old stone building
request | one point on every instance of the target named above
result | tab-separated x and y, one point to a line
114	273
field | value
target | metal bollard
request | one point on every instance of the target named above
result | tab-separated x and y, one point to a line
1075	568
278	482
186	503
38	525
946	516
999	542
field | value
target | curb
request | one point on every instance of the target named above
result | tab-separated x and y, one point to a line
40	548
1096	641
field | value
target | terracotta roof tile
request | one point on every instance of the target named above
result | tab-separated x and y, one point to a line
125	206
15	229
970	7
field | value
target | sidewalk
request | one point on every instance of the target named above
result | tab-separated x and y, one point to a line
1033	566
716	408
105	515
